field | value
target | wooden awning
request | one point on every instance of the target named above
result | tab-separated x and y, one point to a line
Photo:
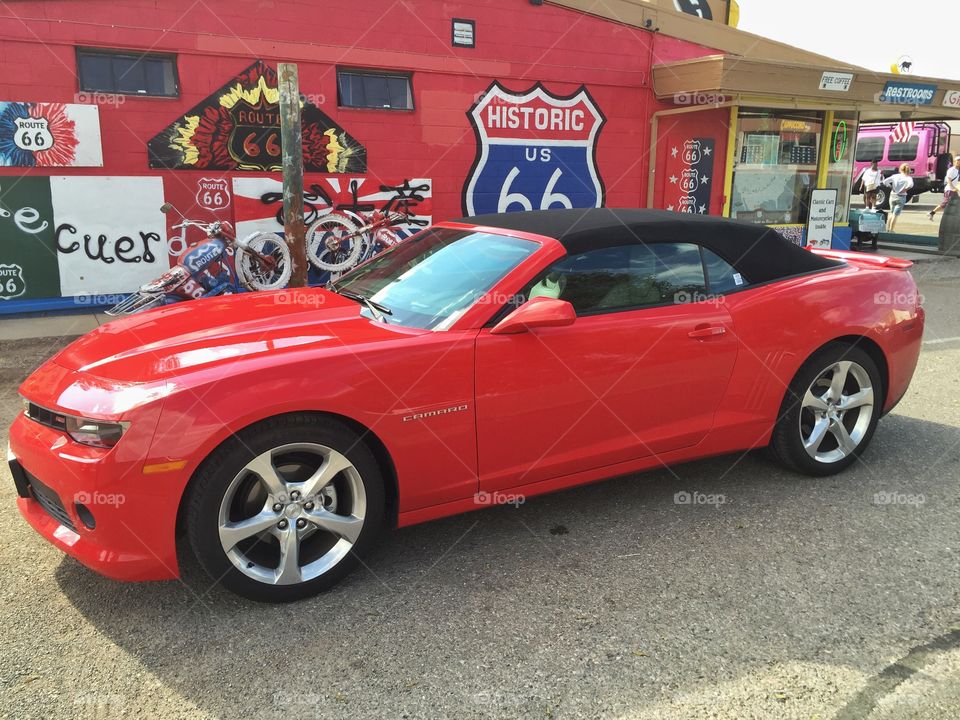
733	79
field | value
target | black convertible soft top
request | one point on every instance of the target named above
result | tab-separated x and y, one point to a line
760	253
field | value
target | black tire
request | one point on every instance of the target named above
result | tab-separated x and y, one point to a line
227	466
787	441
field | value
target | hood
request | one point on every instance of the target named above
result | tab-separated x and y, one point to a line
187	336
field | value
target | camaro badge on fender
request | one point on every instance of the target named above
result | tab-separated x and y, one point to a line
433	413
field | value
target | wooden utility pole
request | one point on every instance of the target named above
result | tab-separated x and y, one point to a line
292	144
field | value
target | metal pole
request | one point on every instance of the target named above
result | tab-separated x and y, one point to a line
292	145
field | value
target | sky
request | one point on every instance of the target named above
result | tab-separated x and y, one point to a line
872	34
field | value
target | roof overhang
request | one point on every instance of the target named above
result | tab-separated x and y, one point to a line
735	80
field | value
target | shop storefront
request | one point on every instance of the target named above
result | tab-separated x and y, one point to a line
793	129
448	108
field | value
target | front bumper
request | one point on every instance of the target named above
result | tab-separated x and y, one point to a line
133	519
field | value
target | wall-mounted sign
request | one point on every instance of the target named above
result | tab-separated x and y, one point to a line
689	175
238	128
951	98
836	81
464	33
53	245
907	93
823	208
49	135
535	151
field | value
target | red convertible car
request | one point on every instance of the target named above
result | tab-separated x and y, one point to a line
277	433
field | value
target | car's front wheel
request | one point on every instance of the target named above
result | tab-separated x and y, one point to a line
283	510
830	411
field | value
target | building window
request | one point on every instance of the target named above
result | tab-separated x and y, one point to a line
380	91
127	73
777	153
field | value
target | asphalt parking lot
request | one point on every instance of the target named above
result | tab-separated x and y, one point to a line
775	596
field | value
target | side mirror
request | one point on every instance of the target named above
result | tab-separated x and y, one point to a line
539	312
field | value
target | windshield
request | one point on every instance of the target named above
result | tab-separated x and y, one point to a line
429	280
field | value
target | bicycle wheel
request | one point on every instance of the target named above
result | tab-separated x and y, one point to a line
254	274
334	243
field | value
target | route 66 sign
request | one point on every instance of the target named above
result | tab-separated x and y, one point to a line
32	133
535	151
691	152
213	193
12	283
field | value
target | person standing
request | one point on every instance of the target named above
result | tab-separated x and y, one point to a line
900	185
870	178
951	186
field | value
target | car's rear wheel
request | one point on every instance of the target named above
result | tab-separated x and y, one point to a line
830	411
283	510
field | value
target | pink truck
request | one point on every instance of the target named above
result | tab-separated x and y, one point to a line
926	151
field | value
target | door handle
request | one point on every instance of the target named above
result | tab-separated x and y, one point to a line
704	331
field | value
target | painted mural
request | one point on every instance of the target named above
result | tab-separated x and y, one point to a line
689	175
336	210
535	151
54	246
238	128
49	135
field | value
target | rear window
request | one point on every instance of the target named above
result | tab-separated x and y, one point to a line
722	277
870	148
900	151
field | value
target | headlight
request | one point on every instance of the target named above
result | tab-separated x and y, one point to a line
98	433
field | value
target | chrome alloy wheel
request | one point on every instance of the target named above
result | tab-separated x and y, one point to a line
292	513
836	411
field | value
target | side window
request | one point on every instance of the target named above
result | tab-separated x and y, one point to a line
628	276
721	275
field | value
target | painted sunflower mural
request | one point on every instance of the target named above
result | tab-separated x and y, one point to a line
238	128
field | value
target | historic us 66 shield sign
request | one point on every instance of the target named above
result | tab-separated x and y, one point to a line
535	151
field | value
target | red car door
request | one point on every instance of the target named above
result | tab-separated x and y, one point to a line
609	388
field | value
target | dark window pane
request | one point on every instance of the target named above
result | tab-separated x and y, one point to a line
375	88
96	73
155	80
869	149
722	276
903	151
679	272
399	96
129	76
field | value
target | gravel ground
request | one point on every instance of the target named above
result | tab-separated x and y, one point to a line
795	598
